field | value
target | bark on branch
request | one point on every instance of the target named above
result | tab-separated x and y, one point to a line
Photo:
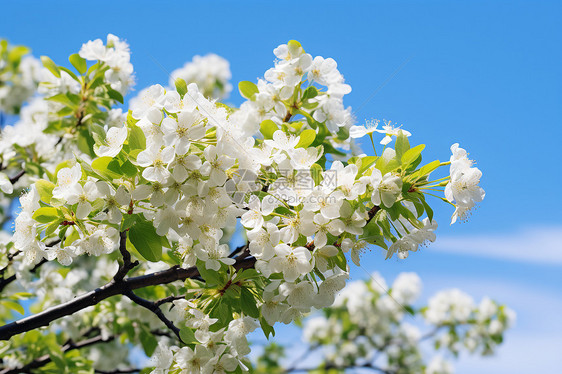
113	288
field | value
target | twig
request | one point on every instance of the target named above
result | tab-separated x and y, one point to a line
127	264
329	367
17	177
169	299
45	359
154	308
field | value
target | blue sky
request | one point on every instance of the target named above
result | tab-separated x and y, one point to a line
485	74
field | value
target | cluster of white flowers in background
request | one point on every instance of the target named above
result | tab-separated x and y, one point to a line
369	325
19	75
39	139
211	73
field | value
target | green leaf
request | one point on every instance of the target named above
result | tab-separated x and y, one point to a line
266	328
426	169
70	72
21	295
188	336
267	128
402	144
248	89
17	52
107	167
74	236
129	221
13	305
366	163
428	210
316	171
129	169
78	62
146	241
306	138
340	260
63	99
181	86
45	214
50	65
45	190
115	95
148	341
137	140
309	93
411	155
211	277
248	303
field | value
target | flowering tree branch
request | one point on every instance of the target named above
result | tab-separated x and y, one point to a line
176	175
127	264
154	308
45	359
113	288
17	177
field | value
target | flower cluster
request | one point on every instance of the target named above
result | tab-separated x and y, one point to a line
220	351
372	326
211	73
463	187
115	54
72	111
279	96
19	76
167	185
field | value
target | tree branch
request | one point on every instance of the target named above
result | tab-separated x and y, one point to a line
154	308
117	371
127	264
45	359
17	177
169	299
113	288
10	279
329	367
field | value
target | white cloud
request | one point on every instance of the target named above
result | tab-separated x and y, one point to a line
539	245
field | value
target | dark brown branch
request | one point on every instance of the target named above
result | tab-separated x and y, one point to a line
127	264
7	281
372	212
169	299
45	359
17	177
238	250
117	371
330	367
154	308
113	288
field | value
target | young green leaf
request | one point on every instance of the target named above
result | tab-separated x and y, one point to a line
248	89
50	65
79	63
306	138
181	86
411	155
45	190
45	214
267	128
